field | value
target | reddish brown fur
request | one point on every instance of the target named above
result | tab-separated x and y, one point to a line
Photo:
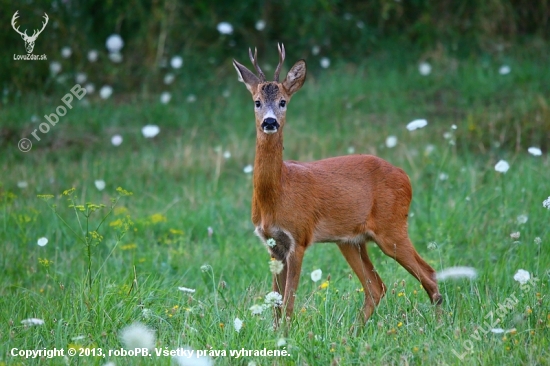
347	200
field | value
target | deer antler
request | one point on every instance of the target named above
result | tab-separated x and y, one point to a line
24	34
43	26
254	60
281	60
13	19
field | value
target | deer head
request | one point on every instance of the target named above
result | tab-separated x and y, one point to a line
29	40
271	97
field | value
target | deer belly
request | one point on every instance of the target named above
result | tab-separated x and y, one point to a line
279	242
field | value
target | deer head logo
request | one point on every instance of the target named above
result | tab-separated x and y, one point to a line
29	40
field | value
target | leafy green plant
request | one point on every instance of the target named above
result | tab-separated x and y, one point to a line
85	232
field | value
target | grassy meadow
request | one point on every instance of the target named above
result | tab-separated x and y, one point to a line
187	221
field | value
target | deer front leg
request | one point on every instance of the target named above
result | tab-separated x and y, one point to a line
294	267
279	283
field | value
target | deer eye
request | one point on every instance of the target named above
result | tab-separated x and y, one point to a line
257	104
282	103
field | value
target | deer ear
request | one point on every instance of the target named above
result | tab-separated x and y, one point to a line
247	77
295	78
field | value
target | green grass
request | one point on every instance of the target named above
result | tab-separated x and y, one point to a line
182	185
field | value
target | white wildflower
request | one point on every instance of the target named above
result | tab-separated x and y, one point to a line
456	272
146	313
150	131
504	70
176	62
522	219
546	203
522	276
116	140
55	67
115	57
169	78
315	50
443	176
32	321
248	169
186	356
316	275
535	151
325	62
225	28
90	88
66	52
80	77
92	55
416	124
538	240
257	309
42	241
99	184
515	235
238	324
191	98
270	242
105	92
497	330
114	43
281	342
502	166
227	154
137	335
273	299
22	184
206	267
424	68
276	266
260	25
391	141
165	97
185	289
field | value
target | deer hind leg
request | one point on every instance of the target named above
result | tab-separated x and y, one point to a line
401	249
359	261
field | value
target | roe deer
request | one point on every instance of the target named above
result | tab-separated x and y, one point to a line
347	200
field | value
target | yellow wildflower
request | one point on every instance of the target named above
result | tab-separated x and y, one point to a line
124	192
156	218
120	210
67	192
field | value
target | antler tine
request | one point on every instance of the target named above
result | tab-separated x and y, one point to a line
13	22
254	60
281	48
44	23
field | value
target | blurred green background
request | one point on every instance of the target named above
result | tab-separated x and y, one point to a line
175	51
344	31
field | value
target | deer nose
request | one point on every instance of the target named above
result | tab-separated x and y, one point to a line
270	125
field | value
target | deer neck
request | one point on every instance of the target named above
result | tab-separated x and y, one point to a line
268	169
